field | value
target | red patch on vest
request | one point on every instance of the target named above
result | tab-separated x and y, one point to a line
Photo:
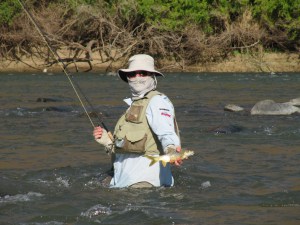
165	114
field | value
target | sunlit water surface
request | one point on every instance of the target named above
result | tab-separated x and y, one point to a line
51	168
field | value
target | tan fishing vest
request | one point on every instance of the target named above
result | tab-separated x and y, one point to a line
133	133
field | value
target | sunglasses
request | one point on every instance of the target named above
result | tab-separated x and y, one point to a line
135	73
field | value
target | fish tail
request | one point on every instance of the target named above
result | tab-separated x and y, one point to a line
153	159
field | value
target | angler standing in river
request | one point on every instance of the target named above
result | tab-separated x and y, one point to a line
147	127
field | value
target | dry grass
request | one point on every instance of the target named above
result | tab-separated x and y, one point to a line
88	39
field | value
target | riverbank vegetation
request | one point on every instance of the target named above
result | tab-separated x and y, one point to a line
180	34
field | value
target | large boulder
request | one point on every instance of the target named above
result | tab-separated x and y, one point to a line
295	101
269	107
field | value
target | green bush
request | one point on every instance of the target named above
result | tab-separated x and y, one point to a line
8	10
279	14
174	14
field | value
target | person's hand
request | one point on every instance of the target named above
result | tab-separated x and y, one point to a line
179	161
101	136
98	131
171	149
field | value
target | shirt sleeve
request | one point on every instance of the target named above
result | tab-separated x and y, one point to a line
160	115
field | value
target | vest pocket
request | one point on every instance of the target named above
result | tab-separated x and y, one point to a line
134	142
134	114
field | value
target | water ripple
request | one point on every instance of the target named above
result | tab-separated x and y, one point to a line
20	197
96	210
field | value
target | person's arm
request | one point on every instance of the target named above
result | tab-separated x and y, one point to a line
160	115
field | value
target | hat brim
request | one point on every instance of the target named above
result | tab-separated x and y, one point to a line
123	73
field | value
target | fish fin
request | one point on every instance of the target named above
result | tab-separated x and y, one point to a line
164	163
153	159
152	162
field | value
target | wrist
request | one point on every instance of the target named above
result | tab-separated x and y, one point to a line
170	149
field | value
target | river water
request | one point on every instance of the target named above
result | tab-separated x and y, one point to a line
51	168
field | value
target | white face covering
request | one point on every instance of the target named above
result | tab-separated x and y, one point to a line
139	86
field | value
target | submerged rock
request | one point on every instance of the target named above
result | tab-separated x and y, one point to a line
233	108
53	99
227	129
205	184
58	109
48	100
269	107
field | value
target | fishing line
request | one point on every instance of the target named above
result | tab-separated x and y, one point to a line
69	76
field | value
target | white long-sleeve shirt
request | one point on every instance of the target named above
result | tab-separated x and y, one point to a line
132	168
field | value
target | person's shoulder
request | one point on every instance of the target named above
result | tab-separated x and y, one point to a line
160	99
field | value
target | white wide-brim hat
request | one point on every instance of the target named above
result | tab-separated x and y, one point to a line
139	62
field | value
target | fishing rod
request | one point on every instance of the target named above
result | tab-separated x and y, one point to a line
69	76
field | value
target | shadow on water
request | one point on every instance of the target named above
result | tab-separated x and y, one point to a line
245	170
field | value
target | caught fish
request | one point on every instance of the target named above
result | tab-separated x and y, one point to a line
170	157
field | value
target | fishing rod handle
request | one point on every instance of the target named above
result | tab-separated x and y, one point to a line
110	136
